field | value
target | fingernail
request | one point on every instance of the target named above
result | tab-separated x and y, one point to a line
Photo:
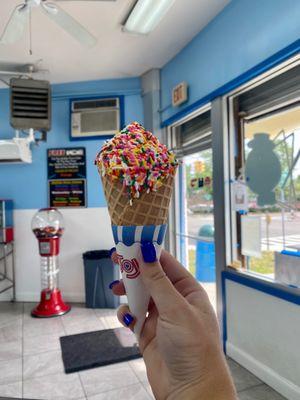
127	319
148	252
113	283
112	250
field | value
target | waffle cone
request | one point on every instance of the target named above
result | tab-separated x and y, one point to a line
149	209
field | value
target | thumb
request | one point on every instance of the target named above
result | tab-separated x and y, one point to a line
162	291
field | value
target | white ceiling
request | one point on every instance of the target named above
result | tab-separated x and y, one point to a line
117	54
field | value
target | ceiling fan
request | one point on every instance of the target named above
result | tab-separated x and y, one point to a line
20	17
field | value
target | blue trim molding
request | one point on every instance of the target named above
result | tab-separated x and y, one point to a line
260	68
224	316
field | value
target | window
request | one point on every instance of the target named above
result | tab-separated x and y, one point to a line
265	178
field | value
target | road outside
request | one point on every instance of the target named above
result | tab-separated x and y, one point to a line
292	229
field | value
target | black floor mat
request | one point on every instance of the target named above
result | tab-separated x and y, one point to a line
94	349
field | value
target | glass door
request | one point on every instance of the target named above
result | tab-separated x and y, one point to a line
199	209
192	225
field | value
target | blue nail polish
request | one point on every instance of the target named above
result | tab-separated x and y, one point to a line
127	319
113	283
112	250
148	252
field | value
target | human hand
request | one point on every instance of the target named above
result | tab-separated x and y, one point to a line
180	340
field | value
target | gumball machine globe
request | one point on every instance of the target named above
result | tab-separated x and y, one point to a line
48	227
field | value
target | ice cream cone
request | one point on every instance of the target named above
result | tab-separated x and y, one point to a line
149	209
137	174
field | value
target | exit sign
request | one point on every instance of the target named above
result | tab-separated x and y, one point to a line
180	94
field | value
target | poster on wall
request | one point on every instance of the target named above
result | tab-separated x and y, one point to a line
67	177
66	163
67	193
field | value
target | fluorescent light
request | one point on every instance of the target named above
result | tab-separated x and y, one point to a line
146	15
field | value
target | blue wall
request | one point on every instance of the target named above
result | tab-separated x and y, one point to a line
26	184
243	35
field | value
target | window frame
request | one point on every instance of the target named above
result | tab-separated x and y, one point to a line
229	136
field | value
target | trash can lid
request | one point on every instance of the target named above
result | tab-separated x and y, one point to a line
207	231
96	254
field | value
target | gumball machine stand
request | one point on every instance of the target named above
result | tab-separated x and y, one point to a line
48	227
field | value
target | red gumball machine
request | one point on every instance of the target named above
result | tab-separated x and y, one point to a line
48	226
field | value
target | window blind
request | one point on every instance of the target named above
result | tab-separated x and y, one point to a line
274	92
194	135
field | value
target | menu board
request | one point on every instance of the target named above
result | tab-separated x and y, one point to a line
67	193
67	163
67	177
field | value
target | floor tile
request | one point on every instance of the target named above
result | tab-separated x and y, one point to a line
81	319
133	392
28	307
261	392
10	371
108	316
78	310
243	379
42	364
105	312
91	326
112	322
11	306
139	368
10	312
108	378
11	390
56	387
10	350
11	331
41	326
148	389
40	344
82	324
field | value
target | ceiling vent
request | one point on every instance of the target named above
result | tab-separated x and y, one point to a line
30	103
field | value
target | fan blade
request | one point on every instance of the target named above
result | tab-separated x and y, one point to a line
15	27
69	24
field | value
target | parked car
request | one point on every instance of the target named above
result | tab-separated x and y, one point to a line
201	208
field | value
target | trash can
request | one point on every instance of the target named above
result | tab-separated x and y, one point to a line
99	272
205	255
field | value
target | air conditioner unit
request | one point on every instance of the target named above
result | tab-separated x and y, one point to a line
16	150
95	117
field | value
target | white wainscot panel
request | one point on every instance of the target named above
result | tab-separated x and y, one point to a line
86	229
263	335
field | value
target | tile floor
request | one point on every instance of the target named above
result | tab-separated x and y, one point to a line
31	365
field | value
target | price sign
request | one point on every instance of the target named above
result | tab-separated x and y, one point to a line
67	193
67	163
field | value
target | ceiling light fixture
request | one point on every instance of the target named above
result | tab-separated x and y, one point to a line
146	15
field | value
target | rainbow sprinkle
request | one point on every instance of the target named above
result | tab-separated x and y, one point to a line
137	158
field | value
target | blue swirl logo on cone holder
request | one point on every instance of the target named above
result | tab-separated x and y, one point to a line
127	240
